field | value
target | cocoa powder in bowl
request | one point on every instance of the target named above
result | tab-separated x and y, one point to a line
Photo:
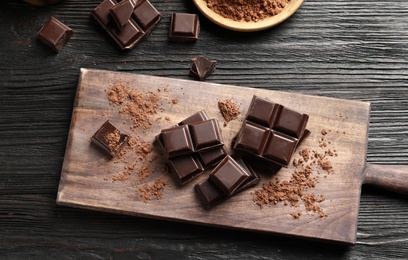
247	10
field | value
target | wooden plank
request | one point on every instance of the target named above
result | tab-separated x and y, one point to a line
86	178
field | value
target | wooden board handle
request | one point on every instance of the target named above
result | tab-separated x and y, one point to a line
390	177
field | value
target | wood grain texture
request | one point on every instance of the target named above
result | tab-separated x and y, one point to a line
345	49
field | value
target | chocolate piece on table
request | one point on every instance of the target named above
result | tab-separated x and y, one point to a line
202	67
109	139
194	137
121	12
184	27
55	34
141	22
271	131
228	175
210	194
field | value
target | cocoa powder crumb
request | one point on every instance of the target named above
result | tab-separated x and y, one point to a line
140	106
148	191
229	110
247	10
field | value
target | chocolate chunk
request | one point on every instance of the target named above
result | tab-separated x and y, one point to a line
121	13
194	137
228	175
186	168
55	34
211	157
109	139
126	26
146	15
271	131
202	67
184	27
196	117
185	163
210	194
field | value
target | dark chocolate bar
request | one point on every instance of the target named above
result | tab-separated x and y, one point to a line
184	27
188	166
109	139
210	194
112	17
271	131
202	67
55	34
194	137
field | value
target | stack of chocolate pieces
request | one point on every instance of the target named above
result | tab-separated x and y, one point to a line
268	137
128	21
192	146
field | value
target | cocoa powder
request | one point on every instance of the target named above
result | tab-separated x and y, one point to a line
247	10
309	165
229	110
137	155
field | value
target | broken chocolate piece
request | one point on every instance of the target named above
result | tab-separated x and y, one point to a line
109	139
184	27
121	12
210	194
228	175
202	67
55	34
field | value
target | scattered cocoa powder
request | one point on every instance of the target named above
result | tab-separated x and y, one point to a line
229	110
140	106
148	191
303	180
247	10
117	94
136	155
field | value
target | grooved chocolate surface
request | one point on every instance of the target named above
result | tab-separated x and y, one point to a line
271	131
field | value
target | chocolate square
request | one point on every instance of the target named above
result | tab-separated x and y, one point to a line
228	175
109	139
55	34
177	141
184	27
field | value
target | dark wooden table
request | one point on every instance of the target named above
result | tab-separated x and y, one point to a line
345	49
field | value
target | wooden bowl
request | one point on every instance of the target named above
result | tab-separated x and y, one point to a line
243	26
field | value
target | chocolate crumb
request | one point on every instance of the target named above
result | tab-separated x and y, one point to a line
148	191
229	110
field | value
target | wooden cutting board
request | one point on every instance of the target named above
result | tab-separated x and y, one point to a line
89	180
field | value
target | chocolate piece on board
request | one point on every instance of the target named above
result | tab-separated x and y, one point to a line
109	139
187	166
228	175
55	34
202	67
142	21
271	131
194	137
210	194
184	27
